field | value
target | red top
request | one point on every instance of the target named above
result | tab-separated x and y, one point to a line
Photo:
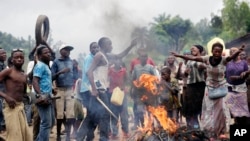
117	78
137	61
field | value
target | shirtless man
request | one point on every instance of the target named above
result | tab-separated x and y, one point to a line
15	82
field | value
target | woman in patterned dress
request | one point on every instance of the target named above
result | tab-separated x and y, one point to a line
215	115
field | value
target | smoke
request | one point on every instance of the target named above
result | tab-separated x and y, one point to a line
110	18
117	22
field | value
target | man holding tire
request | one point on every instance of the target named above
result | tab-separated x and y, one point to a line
64	75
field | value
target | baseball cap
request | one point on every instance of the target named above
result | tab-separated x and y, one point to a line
66	46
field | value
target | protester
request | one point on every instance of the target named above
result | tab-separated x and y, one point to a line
195	89
169	94
139	107
15	88
181	76
215	113
88	126
133	63
78	107
136	60
34	110
98	78
2	67
65	75
118	78
237	95
170	62
42	84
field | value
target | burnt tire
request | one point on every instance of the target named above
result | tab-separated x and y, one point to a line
42	29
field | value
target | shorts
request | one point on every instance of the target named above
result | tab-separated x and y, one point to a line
65	105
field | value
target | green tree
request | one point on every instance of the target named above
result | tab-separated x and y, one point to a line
235	18
216	25
176	28
245	12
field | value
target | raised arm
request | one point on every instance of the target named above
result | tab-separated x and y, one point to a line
188	57
125	52
233	56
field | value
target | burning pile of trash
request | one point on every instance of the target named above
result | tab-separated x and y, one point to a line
157	126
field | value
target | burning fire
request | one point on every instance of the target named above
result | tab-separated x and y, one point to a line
161	115
156	115
157	126
149	82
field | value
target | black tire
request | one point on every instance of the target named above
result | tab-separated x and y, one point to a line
42	35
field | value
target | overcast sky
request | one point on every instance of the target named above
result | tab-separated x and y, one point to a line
80	22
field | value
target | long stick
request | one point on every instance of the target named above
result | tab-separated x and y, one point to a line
106	107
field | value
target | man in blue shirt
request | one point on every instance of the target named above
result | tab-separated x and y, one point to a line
85	95
42	84
65	75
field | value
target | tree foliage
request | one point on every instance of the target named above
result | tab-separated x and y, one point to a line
235	18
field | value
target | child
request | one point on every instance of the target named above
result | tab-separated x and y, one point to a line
78	108
169	94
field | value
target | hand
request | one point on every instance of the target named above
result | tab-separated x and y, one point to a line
180	64
173	53
233	78
65	70
94	93
42	100
133	42
54	91
187	71
243	74
242	48
11	102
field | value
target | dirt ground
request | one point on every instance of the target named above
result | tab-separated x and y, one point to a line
53	134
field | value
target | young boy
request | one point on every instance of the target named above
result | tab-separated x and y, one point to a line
15	82
169	95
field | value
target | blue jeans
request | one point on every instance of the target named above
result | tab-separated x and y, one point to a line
27	109
46	116
2	121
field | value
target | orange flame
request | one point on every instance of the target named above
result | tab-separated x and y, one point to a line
161	115
148	123
149	82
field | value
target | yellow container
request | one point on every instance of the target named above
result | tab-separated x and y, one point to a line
117	96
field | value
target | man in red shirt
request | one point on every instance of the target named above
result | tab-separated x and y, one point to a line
118	77
133	63
136	60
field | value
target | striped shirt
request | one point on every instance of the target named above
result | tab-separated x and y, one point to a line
195	75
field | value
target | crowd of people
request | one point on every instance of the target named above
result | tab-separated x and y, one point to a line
57	92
